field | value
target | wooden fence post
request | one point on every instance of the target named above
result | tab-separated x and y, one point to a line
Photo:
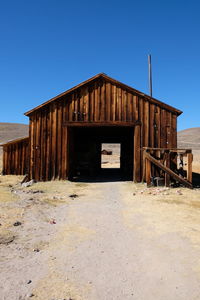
189	166
148	172
167	164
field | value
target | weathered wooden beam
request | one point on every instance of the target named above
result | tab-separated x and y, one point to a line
136	154
148	171
165	169
169	149
101	124
189	167
167	164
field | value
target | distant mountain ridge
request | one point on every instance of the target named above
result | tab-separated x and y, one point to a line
189	138
11	131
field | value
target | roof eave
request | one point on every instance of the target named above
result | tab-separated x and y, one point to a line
14	141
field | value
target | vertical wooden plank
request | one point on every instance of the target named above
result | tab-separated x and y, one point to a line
168	130
108	101
99	101
151	125
68	152
140	116
174	130
163	129
126	106
148	171
59	141
16	162
137	154
23	153
129	106
157	127
119	104
87	105
102	99
48	144
113	98
75	115
4	160
123	106
135	108
31	137
41	144
54	141
92	103
73	106
96	93
146	124
167	164
46	141
70	107
189	166
64	147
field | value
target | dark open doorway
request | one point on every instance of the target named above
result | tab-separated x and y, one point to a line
86	158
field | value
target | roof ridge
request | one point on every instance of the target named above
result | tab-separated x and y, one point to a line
114	81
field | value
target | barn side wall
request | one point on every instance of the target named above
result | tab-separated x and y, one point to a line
16	158
100	101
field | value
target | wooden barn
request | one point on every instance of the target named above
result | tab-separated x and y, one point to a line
66	133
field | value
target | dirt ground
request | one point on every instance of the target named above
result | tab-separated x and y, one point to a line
98	241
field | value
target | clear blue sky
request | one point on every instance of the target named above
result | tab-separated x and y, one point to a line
50	46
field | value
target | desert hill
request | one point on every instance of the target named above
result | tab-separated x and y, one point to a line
189	138
11	131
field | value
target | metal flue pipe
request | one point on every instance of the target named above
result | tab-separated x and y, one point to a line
150	74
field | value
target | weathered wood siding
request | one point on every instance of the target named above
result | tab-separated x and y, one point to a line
97	102
16	157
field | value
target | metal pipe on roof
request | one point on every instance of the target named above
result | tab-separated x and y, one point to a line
150	75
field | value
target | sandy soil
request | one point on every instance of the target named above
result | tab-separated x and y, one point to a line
113	241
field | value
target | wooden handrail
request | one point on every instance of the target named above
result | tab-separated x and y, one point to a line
165	169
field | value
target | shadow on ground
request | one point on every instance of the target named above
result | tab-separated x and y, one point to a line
106	175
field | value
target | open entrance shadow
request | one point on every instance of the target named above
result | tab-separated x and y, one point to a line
196	180
104	175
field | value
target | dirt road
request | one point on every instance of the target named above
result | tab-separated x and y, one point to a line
114	241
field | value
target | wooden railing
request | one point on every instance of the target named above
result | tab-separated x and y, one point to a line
171	165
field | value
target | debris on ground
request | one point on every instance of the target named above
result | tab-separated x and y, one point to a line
6	237
29	183
179	192
36	191
17	223
73	196
36	250
30	295
156	191
53	221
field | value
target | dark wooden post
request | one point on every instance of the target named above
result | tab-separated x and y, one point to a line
189	166
148	172
136	155
167	164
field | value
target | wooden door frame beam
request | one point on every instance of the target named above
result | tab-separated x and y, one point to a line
101	124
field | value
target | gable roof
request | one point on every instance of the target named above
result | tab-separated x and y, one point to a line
111	80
